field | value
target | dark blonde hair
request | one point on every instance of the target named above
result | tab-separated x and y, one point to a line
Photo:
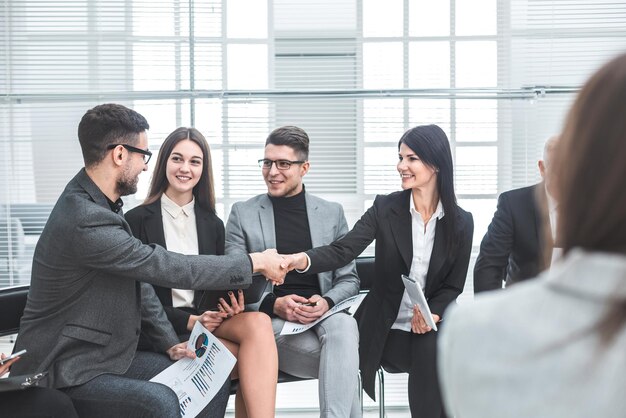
590	173
203	192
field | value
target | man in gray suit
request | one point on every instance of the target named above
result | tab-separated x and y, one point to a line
85	308
291	220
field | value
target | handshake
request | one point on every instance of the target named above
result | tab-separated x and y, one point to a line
275	266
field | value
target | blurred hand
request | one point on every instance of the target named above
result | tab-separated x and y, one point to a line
234	306
209	319
418	323
307	314
285	307
4	368
296	261
270	264
179	351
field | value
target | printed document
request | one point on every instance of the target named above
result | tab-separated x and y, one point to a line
417	298
196	381
296	328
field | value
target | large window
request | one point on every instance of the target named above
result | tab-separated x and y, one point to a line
496	75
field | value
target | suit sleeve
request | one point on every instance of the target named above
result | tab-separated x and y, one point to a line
495	248
106	245
454	282
236	244
342	251
345	279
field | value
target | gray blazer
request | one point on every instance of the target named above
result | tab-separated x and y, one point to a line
85	308
250	228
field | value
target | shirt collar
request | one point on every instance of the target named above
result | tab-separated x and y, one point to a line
439	212
552	203
115	206
173	209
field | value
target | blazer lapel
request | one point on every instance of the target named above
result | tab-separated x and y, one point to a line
438	256
315	218
266	219
400	220
154	224
202	227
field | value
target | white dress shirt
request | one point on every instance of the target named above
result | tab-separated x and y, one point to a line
423	236
557	252
181	236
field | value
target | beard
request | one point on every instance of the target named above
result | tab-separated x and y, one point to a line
127	183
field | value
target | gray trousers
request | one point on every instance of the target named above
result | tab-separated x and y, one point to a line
329	352
132	395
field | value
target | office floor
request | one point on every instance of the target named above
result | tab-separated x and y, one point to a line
299	399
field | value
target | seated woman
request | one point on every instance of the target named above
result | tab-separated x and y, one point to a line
35	401
420	232
179	214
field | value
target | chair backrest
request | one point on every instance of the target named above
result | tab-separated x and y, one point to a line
12	304
365	270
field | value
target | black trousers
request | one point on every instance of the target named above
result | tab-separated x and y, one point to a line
36	402
416	354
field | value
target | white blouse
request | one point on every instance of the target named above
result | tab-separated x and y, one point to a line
181	236
423	236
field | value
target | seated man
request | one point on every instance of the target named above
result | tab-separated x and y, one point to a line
514	247
85	308
292	220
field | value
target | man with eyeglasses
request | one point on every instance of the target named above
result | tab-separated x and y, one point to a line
291	220
86	308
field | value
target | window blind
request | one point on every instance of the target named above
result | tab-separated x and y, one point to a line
498	76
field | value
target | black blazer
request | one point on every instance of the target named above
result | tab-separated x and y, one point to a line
146	223
389	222
514	245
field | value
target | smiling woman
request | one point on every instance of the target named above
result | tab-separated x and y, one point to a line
179	214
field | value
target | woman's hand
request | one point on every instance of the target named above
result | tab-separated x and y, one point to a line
236	305
418	323
4	368
209	319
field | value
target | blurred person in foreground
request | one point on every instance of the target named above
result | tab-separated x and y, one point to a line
554	347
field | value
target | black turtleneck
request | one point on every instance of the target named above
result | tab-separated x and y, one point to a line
293	235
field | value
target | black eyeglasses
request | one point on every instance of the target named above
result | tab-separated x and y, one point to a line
266	164
146	154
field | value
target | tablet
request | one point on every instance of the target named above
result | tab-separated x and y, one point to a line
418	298
251	294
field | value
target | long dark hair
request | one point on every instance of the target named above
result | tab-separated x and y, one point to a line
431	145
590	173
203	192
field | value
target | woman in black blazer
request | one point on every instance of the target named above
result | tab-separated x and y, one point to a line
183	179
420	232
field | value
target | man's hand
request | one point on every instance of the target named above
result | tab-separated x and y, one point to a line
209	319
296	261
270	264
418	323
179	351
236	306
285	307
311	310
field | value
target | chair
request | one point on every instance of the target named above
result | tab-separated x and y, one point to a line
365	268
12	304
